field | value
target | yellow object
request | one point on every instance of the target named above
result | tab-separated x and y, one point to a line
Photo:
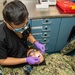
73	7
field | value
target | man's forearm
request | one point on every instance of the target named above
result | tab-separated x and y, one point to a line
31	38
12	61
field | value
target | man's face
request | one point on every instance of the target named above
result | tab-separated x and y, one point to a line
17	28
36	53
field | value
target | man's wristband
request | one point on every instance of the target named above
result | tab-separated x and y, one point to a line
34	42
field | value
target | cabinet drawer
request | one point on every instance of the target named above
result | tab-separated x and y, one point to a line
36	22
52	21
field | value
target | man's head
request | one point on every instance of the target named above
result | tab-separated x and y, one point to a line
15	12
36	53
15	16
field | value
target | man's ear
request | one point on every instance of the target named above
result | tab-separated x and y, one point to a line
4	21
7	24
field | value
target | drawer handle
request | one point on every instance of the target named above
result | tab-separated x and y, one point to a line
44	36
46	23
46	30
45	42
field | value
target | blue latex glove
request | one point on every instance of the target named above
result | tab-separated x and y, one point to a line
40	46
32	60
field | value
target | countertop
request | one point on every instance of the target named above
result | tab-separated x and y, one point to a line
39	13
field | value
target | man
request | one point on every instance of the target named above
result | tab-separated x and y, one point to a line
14	34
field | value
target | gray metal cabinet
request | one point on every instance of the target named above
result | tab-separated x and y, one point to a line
64	32
46	32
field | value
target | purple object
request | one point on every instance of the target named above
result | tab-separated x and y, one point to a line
40	46
32	60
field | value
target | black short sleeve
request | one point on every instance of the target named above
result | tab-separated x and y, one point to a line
3	51
11	45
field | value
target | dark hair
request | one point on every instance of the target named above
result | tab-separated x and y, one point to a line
15	12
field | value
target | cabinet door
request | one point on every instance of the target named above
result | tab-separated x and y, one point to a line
54	29
46	32
64	32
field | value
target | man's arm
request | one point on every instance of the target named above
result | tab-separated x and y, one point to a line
36	43
16	61
12	61
31	38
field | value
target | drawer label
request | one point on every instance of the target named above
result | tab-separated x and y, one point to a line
37	27
37	33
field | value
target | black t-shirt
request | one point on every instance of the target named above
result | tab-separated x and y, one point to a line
10	44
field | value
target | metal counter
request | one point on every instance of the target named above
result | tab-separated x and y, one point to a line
36	13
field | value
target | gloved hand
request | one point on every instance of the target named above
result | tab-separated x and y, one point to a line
32	60
40	46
